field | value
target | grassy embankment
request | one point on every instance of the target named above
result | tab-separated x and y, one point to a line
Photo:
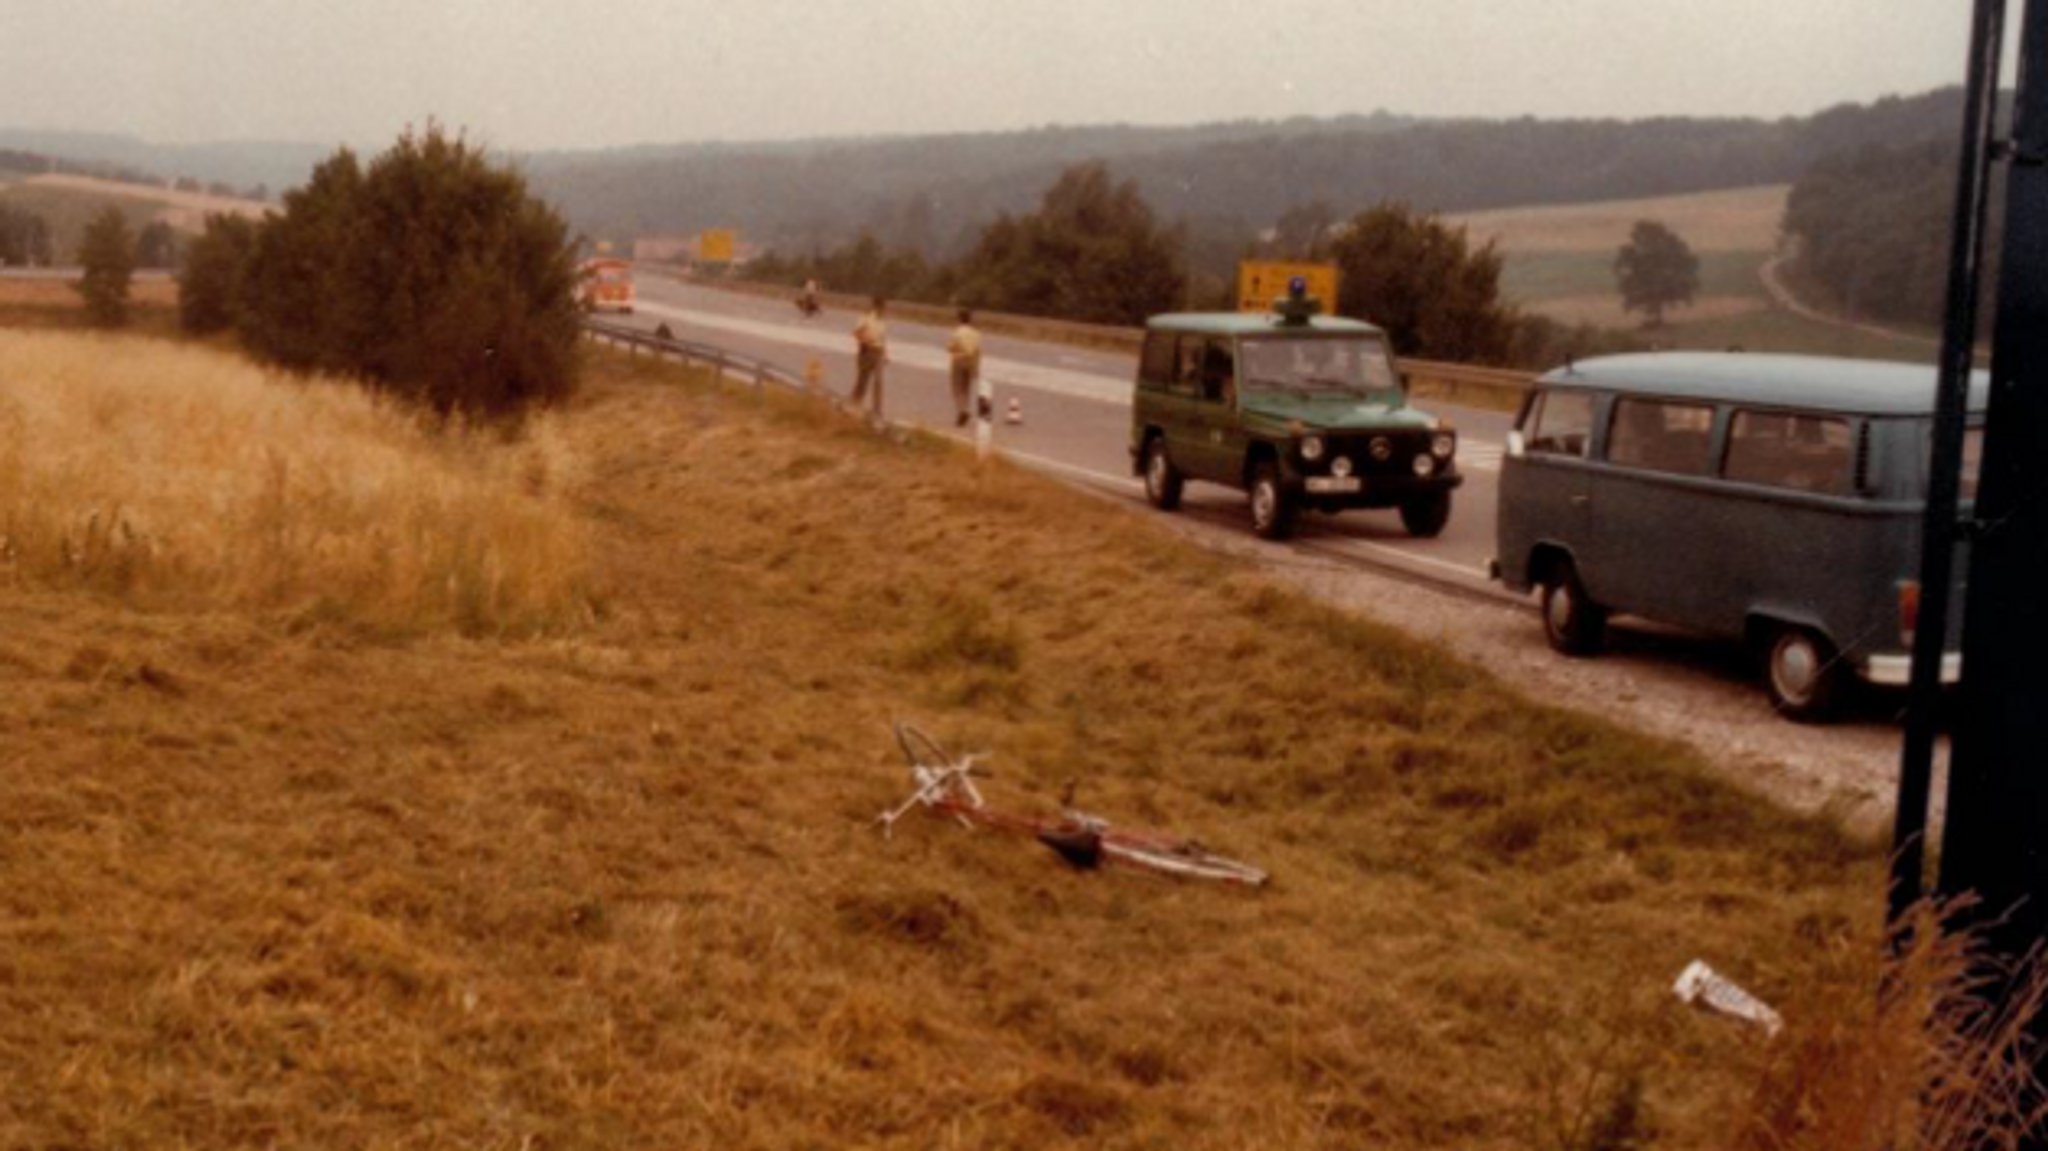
281	874
1560	263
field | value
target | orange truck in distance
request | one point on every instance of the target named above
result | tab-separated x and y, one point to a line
607	285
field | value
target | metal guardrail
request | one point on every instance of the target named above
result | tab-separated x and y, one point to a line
719	360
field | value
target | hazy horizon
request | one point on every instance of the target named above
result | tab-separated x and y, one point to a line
535	77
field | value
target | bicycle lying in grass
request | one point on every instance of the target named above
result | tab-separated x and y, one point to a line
946	785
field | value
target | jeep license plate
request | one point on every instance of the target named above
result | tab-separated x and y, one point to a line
1323	485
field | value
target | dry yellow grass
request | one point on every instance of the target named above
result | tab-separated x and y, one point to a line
1942	1060
173	475
1739	220
285	887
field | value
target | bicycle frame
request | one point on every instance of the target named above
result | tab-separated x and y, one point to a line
949	789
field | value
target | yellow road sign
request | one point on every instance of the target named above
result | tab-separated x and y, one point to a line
1260	282
716	246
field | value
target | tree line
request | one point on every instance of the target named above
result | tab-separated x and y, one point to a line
1094	251
429	273
24	239
1870	228
935	194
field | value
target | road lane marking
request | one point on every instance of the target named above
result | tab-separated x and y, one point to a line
1474	455
1466	570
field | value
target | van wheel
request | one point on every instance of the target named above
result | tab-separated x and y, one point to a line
1573	623
1163	481
1425	516
1803	674
1272	510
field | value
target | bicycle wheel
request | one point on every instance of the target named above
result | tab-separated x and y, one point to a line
920	749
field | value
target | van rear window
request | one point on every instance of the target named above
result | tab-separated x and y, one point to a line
1783	450
1660	435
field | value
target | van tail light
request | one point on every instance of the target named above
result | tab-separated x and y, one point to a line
1909	611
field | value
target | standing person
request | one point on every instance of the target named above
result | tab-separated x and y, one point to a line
965	348
871	343
807	302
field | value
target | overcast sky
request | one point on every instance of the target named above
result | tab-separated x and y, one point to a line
568	73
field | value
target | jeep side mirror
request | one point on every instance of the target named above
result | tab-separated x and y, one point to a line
1516	447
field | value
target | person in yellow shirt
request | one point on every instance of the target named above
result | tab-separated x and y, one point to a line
965	348
871	343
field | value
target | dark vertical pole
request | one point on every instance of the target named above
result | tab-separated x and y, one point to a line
1996	843
1938	532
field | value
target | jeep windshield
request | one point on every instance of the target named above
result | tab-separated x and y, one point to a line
1352	368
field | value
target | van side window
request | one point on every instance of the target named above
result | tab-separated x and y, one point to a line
1786	450
1660	435
1561	423
1156	366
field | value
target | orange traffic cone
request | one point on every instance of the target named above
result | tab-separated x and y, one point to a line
1014	414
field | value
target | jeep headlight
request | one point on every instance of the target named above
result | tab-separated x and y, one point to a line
1425	466
1443	445
1312	448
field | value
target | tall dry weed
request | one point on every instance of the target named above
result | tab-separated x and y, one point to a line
1932	1050
171	474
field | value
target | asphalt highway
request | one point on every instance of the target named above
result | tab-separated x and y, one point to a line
1076	418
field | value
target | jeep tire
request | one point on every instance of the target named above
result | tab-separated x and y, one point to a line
1163	481
1273	510
1425	516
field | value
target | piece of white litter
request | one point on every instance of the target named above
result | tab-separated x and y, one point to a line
1701	985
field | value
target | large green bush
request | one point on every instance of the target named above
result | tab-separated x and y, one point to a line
1419	278
210	287
431	273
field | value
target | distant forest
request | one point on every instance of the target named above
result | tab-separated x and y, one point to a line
933	194
1871	229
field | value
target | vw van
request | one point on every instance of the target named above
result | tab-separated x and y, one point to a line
1297	410
1772	500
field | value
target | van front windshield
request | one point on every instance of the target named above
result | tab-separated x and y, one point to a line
1347	367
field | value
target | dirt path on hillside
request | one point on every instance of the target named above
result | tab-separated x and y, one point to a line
1773	277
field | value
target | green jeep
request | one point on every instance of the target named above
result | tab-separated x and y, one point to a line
1298	410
